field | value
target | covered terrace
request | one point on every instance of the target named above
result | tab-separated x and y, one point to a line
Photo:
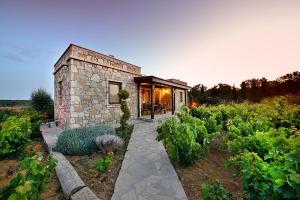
158	96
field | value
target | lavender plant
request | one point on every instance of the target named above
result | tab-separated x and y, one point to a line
107	143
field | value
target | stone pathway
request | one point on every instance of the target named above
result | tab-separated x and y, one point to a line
50	134
147	173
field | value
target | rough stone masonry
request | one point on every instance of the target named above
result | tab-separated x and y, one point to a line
81	80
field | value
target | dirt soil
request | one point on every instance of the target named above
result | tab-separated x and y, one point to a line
53	190
9	169
210	167
102	184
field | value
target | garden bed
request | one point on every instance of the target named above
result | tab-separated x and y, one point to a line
96	154
102	184
211	167
9	169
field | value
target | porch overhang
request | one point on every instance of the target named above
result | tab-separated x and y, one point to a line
156	80
153	82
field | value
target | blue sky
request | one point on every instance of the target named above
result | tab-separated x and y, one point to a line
197	41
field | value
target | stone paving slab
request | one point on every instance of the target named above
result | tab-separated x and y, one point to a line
50	135
146	172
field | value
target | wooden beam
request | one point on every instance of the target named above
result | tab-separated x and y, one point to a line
149	79
152	99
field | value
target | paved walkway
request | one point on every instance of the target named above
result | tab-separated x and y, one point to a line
50	134
146	172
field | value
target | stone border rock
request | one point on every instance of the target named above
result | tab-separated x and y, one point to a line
72	185
84	193
69	180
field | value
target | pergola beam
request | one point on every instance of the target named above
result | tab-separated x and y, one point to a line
153	79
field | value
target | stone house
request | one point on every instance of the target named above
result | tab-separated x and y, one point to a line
87	83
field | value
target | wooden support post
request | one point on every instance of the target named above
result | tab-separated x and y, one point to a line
138	99
173	101
185	96
152	99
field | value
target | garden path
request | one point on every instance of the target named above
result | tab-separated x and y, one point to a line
146	172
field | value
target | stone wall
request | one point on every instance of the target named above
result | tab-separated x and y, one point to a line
82	76
89	94
62	100
80	53
178	103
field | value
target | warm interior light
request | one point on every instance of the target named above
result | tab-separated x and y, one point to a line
194	104
165	91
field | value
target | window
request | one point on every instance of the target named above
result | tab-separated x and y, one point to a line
114	88
60	91
181	97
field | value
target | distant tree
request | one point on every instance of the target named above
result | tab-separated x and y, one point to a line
234	94
254	93
211	96
243	90
252	90
197	93
225	92
289	83
41	101
264	88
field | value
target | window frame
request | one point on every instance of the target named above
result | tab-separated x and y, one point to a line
181	97
120	88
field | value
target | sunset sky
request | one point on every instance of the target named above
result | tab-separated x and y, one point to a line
207	42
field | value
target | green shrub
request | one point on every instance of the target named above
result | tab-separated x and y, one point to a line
81	141
4	114
41	101
104	164
125	133
213	190
12	103
180	141
35	120
201	112
35	173
264	143
255	172
269	163
241	144
186	138
15	133
198	126
219	117
125	109
212	125
212	116
125	130
295	118
124	94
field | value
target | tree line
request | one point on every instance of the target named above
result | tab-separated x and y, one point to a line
253	90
